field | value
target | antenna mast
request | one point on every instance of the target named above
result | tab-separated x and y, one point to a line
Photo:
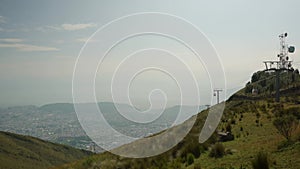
217	93
283	64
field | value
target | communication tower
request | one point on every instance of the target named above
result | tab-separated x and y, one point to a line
283	64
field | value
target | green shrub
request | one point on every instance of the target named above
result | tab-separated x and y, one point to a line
175	164
298	137
242	167
217	151
233	121
260	161
196	150
197	165
286	124
228	151
228	127
193	147
285	144
109	164
88	162
190	159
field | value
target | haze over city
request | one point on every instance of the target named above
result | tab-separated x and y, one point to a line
40	41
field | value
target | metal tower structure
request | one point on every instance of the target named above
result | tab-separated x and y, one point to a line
217	93
283	64
284	60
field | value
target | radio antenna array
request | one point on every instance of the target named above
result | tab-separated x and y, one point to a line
284	60
283	64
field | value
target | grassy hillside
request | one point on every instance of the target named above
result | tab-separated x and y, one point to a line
252	125
249	117
18	151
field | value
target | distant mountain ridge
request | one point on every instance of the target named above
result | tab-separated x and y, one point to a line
58	107
58	122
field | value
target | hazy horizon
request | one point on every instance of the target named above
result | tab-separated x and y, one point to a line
40	42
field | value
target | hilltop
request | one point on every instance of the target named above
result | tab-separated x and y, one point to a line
19	151
248	116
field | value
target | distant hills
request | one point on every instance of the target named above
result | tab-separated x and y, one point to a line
58	107
25	152
55	123
248	116
58	122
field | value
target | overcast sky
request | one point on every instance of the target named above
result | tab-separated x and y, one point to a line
40	40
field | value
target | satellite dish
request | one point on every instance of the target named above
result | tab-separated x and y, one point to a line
291	49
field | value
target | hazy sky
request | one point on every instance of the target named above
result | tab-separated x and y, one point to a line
40	40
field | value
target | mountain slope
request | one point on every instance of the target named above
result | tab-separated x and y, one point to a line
18	151
251	123
250	118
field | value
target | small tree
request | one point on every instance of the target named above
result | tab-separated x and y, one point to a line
286	124
260	161
255	77
190	159
197	165
248	88
217	151
228	127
